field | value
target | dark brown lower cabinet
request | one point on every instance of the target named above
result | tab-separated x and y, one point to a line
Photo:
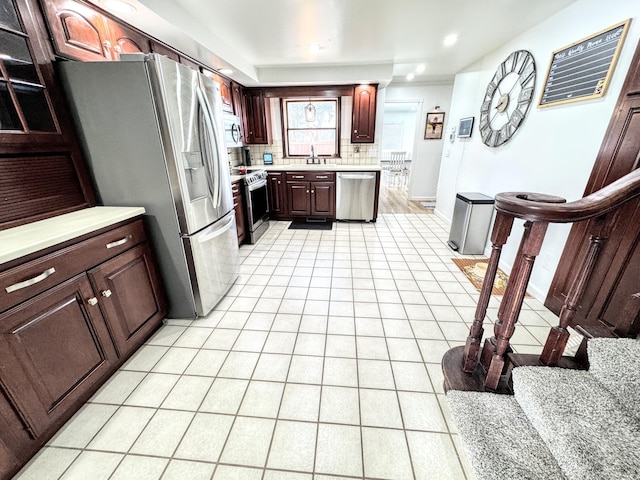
298	198
277	187
60	342
53	348
311	194
238	206
130	302
323	199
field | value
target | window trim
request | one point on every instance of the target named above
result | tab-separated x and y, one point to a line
285	127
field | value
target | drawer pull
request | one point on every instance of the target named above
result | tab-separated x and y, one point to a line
106	293
117	243
93	301
322	176
32	281
297	176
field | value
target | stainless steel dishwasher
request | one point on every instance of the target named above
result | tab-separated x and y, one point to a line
355	195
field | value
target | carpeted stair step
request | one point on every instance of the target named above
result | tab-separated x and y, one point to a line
615	362
586	429
499	441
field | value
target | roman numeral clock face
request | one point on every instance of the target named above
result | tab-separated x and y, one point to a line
507	98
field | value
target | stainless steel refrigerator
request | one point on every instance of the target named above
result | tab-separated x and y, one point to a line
153	136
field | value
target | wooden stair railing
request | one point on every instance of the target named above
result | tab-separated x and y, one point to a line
537	210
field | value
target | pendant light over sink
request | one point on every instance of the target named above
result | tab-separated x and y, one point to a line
310	112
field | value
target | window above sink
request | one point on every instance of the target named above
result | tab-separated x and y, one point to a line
311	127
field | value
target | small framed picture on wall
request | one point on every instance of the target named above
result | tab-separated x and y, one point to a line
434	126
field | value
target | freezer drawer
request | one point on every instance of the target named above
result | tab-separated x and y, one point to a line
212	257
355	195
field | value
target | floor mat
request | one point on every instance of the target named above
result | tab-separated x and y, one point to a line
474	269
311	226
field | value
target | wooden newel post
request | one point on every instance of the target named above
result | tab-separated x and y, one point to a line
513	298
501	230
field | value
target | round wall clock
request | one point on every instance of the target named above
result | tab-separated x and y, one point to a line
507	98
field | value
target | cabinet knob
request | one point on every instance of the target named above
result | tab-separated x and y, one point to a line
106	293
307	191
355	131
312	191
93	301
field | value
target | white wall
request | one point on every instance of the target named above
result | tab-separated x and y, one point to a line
554	149
399	131
427	153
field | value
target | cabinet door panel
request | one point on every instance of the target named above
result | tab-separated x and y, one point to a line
54	348
298	196
364	114
236	98
130	301
238	206
227	97
276	197
126	40
323	199
77	30
258	117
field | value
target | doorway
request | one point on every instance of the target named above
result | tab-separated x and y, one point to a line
397	154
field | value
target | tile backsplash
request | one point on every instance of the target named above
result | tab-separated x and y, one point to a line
367	154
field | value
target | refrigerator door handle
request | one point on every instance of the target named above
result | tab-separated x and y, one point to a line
208	120
219	231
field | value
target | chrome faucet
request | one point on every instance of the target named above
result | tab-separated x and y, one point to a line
313	159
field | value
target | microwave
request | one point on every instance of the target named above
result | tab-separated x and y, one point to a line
232	130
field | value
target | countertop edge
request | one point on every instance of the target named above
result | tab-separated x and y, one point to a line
316	168
25	239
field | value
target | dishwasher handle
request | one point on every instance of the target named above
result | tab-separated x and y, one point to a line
356	176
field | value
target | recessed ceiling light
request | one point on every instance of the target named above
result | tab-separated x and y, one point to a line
450	40
119	6
225	71
411	76
420	68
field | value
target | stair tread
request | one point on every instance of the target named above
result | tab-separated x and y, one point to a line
585	427
499	440
616	364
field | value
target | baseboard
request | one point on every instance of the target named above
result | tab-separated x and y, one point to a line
423	199
442	216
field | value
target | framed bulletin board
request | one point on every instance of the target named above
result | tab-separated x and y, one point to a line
582	70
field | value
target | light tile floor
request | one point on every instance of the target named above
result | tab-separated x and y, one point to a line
322	362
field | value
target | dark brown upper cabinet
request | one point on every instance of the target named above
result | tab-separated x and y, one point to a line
82	32
363	124
237	92
225	89
257	111
42	173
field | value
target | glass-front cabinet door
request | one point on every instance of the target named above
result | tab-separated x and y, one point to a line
25	106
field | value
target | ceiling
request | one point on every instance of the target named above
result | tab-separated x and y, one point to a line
267	41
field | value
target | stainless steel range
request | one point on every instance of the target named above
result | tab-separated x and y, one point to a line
255	185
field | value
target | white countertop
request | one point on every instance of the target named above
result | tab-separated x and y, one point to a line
322	167
19	241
